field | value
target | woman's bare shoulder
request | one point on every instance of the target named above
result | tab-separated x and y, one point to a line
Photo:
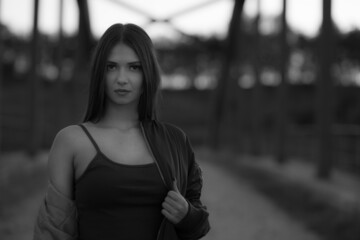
69	140
70	131
60	163
70	134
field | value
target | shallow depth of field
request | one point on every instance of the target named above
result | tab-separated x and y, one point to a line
272	113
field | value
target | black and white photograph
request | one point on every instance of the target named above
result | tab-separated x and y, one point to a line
179	120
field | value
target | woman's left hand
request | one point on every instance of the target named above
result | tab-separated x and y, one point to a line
175	206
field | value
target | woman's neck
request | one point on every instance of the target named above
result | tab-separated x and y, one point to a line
122	118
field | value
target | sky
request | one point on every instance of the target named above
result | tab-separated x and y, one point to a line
304	16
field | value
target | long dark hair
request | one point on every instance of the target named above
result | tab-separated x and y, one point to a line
137	39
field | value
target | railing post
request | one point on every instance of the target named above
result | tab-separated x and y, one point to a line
34	81
325	94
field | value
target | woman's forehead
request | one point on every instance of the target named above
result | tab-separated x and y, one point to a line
123	53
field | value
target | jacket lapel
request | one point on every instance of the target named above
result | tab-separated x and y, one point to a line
160	149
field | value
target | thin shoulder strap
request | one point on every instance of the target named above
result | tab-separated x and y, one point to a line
90	137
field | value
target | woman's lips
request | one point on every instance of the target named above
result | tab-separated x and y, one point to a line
122	91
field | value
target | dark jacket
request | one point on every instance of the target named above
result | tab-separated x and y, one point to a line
175	160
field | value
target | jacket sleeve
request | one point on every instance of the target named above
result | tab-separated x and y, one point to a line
57	217
196	223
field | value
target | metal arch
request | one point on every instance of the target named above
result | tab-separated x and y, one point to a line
192	8
167	20
133	8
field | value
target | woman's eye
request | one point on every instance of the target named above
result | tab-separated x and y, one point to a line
135	67
110	67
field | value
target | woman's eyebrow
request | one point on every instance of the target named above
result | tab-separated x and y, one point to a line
136	62
129	63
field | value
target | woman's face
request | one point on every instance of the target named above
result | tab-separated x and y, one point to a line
124	76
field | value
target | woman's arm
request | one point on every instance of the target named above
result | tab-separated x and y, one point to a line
196	223
57	217
60	163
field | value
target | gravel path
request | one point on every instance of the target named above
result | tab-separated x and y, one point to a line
239	212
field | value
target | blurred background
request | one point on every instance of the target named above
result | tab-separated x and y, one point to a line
261	79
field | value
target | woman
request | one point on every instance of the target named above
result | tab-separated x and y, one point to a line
122	174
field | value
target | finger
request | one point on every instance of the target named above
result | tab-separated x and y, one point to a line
168	215
175	196
168	207
172	202
175	187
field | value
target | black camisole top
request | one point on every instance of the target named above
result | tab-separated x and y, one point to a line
118	201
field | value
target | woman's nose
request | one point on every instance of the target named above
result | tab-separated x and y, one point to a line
122	77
